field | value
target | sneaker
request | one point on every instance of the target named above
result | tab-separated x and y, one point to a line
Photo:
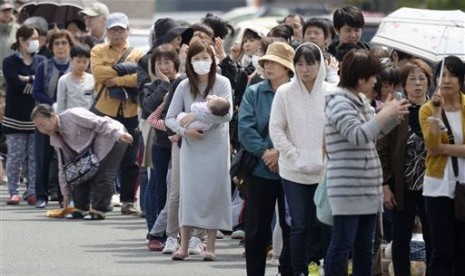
41	203
274	261
155	245
115	201
195	246
238	234
129	209
219	235
14	200
171	246
32	200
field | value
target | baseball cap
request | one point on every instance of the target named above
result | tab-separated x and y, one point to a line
117	19
95	9
6	5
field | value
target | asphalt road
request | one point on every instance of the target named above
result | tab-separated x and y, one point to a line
32	244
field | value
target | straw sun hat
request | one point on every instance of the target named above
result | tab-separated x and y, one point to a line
281	53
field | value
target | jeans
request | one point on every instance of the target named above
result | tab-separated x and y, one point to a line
414	204
155	193
262	195
448	237
351	232
306	243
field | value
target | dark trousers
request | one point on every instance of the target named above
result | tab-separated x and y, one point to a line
306	243
129	167
155	193
46	169
99	189
261	200
414	204
447	236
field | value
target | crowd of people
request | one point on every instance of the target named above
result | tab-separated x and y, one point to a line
310	102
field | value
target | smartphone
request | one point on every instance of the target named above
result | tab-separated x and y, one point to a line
399	95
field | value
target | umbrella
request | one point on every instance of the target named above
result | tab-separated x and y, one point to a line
428	34
57	11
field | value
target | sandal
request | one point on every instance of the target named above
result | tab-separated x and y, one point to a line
95	215
209	256
179	256
76	214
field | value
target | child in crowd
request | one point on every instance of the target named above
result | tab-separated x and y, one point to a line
76	88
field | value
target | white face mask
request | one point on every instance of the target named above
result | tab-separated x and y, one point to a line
255	63
202	67
33	46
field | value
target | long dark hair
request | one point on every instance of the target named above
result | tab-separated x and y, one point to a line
456	68
198	46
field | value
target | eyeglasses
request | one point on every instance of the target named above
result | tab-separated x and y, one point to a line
60	42
420	79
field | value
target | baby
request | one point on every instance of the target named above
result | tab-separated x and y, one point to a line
215	105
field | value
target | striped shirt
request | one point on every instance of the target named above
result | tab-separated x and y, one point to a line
354	171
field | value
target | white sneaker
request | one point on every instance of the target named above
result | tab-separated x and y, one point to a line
171	246
195	246
115	201
238	234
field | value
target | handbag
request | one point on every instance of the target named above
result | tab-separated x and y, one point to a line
459	196
323	209
242	165
82	168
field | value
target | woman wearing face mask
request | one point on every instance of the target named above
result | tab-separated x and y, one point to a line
205	189
17	125
44	91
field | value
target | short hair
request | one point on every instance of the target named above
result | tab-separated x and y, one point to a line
266	41
283	31
220	27
80	50
380	52
455	66
408	67
204	28
44	110
221	108
292	15
318	23
310	52
343	49
358	64
389	74
165	51
348	15
56	34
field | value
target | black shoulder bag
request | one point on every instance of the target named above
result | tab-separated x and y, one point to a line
459	199
82	167
242	165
